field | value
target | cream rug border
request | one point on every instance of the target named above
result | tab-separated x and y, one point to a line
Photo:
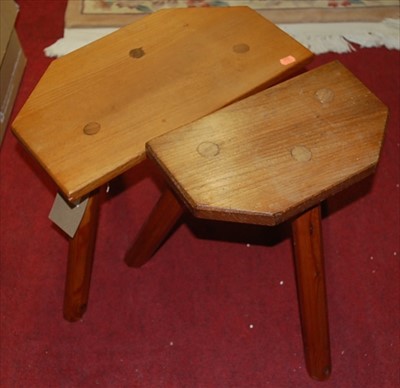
74	17
318	37
319	29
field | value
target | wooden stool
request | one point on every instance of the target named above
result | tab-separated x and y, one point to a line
89	117
270	158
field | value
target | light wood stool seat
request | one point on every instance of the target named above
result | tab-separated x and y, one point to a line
89	117
274	157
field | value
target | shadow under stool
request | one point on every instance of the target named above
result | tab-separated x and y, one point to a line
90	115
270	158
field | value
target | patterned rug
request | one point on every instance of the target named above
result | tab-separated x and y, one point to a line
83	13
321	25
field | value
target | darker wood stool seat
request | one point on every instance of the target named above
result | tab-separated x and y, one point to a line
270	158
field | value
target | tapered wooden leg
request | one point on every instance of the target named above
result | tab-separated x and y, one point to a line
156	228
309	262
80	261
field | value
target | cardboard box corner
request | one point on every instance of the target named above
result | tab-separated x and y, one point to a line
12	62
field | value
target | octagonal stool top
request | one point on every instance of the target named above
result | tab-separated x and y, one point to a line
275	154
90	115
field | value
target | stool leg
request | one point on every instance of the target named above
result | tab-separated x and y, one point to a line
156	228
80	261
309	262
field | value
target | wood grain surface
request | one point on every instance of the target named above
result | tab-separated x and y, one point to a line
266	158
92	112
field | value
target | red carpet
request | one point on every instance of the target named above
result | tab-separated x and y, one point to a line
216	307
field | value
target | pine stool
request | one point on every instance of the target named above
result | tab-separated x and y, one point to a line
270	158
89	117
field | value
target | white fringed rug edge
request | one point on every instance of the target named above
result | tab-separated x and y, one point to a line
318	37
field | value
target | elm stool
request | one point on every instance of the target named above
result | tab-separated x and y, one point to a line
89	117
270	158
